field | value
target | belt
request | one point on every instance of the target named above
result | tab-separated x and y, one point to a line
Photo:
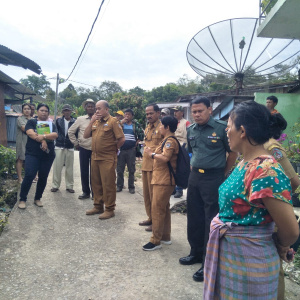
208	171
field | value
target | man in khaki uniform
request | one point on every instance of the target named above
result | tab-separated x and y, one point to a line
152	139
107	138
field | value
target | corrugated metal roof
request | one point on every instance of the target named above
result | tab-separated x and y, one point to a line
20	91
9	57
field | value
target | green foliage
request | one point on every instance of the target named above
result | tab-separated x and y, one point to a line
293	146
167	93
107	89
136	103
265	3
137	91
39	85
7	161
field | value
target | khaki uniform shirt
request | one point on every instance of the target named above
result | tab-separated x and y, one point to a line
105	133
80	125
152	140
161	174
181	132
277	151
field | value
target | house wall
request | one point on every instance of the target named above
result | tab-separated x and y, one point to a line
288	105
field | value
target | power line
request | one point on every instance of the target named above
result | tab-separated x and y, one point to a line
90	42
86	39
82	83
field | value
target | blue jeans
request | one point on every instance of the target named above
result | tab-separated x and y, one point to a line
34	165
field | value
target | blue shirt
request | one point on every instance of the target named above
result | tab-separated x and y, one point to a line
129	137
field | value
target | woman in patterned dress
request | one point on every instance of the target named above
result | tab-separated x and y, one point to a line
21	139
242	259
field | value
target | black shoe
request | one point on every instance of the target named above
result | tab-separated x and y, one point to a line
178	194
190	260
119	189
132	191
151	247
84	196
199	275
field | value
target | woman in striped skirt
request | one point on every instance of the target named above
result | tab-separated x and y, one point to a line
242	260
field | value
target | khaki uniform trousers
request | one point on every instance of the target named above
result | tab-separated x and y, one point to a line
63	157
147	192
161	215
103	177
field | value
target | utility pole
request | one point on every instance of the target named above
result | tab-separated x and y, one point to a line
56	96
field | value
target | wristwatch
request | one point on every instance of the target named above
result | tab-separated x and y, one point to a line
153	154
44	136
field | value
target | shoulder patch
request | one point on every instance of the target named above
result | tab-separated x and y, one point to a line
168	145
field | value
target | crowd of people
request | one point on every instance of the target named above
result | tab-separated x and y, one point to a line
230	222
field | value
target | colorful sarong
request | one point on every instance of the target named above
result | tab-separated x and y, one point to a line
241	262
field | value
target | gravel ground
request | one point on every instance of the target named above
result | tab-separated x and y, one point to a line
57	252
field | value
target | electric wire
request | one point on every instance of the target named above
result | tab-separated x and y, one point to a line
86	40
90	42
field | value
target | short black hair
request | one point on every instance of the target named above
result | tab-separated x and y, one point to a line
43	104
155	106
129	110
170	121
273	98
32	104
200	99
258	122
24	104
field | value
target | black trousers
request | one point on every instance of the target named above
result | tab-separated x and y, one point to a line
126	157
34	165
85	169
202	207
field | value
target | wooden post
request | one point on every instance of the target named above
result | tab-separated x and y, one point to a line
3	133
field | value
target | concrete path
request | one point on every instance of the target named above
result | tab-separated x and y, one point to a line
57	252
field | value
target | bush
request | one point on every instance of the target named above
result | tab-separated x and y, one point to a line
7	161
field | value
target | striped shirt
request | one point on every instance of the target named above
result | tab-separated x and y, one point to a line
129	137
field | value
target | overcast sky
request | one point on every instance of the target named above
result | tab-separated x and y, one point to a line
134	42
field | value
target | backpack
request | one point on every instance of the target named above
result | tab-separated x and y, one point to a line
183	166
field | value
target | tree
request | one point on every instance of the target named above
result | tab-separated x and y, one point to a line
136	103
38	84
137	91
167	93
107	89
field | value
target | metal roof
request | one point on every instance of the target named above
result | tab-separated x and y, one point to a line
18	90
12	58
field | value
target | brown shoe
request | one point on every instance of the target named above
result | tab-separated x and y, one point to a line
149	228
107	215
22	204
38	203
145	223
94	211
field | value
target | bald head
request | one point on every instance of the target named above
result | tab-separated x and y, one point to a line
102	109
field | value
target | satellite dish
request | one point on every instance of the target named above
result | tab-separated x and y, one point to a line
231	50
